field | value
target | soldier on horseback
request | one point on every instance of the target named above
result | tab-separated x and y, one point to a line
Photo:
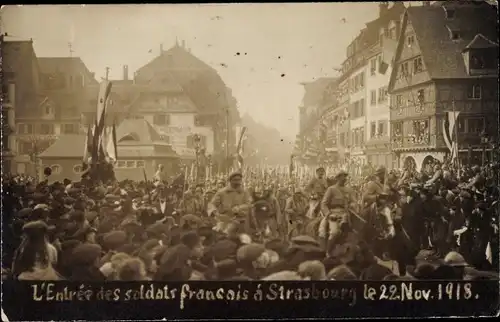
266	213
316	189
231	204
336	205
295	210
374	188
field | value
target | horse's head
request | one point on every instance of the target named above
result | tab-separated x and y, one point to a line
383	222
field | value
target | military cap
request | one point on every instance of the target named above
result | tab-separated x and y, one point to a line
223	249
304	240
277	245
341	273
157	229
482	206
380	170
341	173
77	215
250	252
150	244
69	201
73	191
283	276
24	213
38	225
421	271
465	194
41	206
226	268
86	254
235	174
114	239
190	238
91	215
127	248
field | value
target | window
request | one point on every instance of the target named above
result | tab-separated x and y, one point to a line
475	125
460	124
165	138
403	70
449	13
373	97
373	66
56	168
420	97
342	139
417	65
5	92
455	35
382	128
140	164
399	101
25	147
410	40
474	92
25	128
379	59
161	119
48	110
69	128
46	128
382	94
130	164
397	128
362	107
5	143
121	164
392	33
362	80
78	169
362	136
373	129
477	61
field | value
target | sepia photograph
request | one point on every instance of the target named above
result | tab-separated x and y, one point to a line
276	160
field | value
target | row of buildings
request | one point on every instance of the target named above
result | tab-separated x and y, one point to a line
169	110
402	74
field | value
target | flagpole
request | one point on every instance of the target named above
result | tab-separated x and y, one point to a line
456	137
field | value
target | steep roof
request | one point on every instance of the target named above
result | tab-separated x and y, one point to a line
481	42
50	65
176	57
66	146
442	56
142	129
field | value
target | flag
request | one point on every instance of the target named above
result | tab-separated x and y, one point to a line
102	101
239	149
87	149
448	133
110	143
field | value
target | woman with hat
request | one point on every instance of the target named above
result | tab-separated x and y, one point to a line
35	257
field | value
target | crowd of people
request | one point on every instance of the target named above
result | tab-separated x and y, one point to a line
255	225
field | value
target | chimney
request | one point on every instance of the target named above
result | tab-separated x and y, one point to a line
426	3
125	72
161	49
383	7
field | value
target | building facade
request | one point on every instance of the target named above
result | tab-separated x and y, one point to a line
139	147
446	61
363	110
20	86
60	99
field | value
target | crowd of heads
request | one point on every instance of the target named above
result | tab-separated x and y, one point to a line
132	231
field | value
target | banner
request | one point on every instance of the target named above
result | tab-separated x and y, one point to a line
247	300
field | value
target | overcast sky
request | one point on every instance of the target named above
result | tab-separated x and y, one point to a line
280	45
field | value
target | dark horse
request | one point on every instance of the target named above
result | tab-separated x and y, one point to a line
381	226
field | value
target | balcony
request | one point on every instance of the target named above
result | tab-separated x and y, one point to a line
424	141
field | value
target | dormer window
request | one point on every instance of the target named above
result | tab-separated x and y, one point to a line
450	13
477	61
456	35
